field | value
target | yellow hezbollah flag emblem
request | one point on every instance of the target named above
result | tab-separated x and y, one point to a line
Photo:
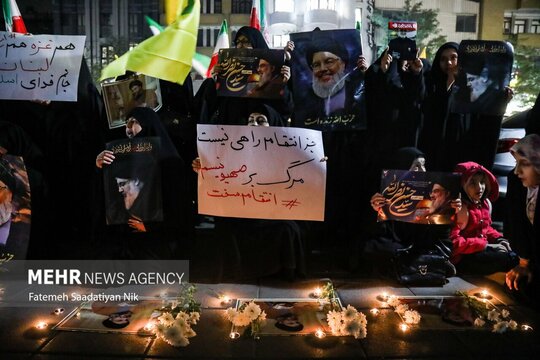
167	55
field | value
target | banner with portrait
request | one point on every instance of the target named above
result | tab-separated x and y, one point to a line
419	197
328	87
124	95
133	182
261	172
254	73
402	36
15	208
485	68
40	67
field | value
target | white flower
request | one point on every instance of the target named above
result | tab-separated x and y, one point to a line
178	341
362	318
173	332
190	333
182	315
493	315
241	319
194	317
352	326
478	322
362	333
401	308
262	317
505	313
252	310
166	319
181	323
349	313
411	317
159	329
500	327
512	325
231	313
393	301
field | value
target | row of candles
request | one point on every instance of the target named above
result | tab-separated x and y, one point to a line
316	293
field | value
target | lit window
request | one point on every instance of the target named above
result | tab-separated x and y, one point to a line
507	25
519	26
284	5
322	4
535	27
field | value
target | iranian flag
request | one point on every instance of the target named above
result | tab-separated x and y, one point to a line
12	17
257	19
221	43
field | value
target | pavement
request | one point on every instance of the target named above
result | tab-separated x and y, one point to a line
432	338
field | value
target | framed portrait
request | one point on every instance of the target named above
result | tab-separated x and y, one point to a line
124	95
328	88
15	208
419	197
133	181
291	316
252	73
485	69
129	317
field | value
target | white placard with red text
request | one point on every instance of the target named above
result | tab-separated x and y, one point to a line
261	172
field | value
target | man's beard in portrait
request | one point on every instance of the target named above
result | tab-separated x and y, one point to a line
6	209
129	199
436	205
329	88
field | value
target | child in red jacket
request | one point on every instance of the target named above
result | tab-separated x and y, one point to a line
476	246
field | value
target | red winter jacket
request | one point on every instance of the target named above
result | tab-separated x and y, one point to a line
478	231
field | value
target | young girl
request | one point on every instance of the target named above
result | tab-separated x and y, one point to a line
523	221
476	246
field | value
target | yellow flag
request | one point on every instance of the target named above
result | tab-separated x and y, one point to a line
423	54
167	55
170	11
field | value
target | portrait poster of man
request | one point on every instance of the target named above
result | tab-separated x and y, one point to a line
402	35
485	69
251	73
292	316
419	197
124	95
15	208
133	181
115	317
328	88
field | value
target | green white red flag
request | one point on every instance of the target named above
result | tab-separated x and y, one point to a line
12	17
221	43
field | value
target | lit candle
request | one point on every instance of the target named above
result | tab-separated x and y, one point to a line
484	293
320	334
317	292
41	325
225	299
234	335
374	311
526	327
384	297
78	314
404	327
149	326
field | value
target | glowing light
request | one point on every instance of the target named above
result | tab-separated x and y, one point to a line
234	335
404	327
320	334
41	325
384	297
317	292
149	326
58	311
374	311
526	327
78	314
225	299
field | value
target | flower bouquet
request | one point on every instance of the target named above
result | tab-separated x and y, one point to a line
247	315
174	323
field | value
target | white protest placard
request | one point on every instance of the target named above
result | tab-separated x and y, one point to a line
40	67
261	172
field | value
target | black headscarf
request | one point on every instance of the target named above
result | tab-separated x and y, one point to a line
404	157
438	77
152	126
253	35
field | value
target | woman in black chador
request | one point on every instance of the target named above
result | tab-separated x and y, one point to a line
159	239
